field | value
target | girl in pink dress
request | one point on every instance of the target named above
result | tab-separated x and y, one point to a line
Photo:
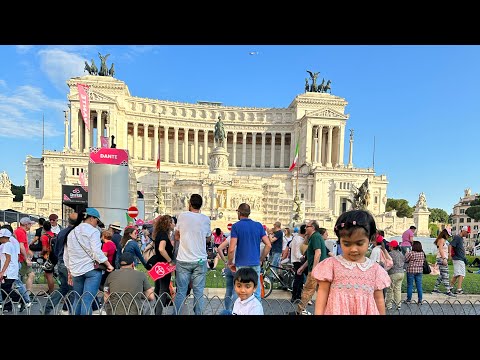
351	283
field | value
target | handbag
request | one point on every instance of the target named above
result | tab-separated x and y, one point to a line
36	246
387	261
96	265
426	266
48	265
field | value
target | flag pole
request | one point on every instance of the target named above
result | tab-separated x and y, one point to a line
161	205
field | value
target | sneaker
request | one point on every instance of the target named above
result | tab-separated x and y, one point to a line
459	292
407	301
64	312
470	271
399	307
310	302
306	312
435	291
449	293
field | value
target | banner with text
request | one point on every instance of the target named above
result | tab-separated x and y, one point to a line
109	156
84	103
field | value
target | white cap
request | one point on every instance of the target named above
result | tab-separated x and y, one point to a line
5	233
464	228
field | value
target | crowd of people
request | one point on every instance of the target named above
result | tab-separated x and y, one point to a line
361	274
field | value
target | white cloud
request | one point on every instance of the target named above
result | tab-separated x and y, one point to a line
20	113
3	83
23	49
60	65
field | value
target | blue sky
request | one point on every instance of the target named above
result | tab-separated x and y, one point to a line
419	102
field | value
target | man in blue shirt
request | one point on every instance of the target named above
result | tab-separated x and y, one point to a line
246	236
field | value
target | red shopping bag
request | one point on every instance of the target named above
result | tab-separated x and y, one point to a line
160	269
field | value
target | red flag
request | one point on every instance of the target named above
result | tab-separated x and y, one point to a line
104	140
84	104
160	269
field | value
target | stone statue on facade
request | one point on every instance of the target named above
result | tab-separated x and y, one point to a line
307	85
5	183
111	72
320	87
351	134
313	87
103	65
361	196
422	202
91	69
219	132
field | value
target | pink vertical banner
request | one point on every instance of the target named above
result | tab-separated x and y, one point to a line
104	141
84	104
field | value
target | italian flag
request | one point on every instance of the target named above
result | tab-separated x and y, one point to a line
295	159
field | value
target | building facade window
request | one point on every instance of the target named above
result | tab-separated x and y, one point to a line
37	184
462	211
462	220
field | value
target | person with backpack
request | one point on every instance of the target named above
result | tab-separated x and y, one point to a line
47	239
64	288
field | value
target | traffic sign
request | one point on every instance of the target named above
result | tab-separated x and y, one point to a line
229	226
132	212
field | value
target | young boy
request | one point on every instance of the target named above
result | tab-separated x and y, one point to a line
245	284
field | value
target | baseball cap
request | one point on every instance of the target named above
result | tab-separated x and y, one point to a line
26	220
296	229
126	258
92	212
379	238
5	233
53	217
393	243
465	228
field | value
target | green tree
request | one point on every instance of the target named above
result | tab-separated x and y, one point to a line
402	207
433	229
438	215
18	191
474	210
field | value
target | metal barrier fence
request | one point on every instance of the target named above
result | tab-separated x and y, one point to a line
129	304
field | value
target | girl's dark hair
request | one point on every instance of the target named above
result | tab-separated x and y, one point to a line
417	246
352	220
47	226
443	235
246	275
218	231
126	235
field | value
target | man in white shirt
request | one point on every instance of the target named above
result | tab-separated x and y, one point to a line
192	232
8	268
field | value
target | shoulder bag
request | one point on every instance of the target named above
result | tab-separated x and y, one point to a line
96	264
426	266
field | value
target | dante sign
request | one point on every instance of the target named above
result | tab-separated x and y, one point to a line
110	156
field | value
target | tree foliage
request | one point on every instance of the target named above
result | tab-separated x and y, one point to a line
438	215
402	207
433	229
474	210
18	191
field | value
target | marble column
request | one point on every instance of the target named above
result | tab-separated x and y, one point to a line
88	138
272	150
282	150
67	135
329	147
185	145
155	143
244	149
175	145
145	141
205	147
315	147
195	146
134	142
254	145
166	145
262	161
234	149
99	128
341	145
320	136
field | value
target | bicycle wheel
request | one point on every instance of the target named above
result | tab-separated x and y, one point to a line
267	285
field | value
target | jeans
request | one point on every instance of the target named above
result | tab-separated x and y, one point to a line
276	256
258	291
418	283
184	273
86	287
229	293
61	292
20	286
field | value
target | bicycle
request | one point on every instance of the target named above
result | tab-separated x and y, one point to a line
284	276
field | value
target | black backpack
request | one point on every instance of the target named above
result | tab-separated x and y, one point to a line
52	256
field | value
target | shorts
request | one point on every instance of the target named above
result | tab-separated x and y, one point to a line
25	270
458	268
